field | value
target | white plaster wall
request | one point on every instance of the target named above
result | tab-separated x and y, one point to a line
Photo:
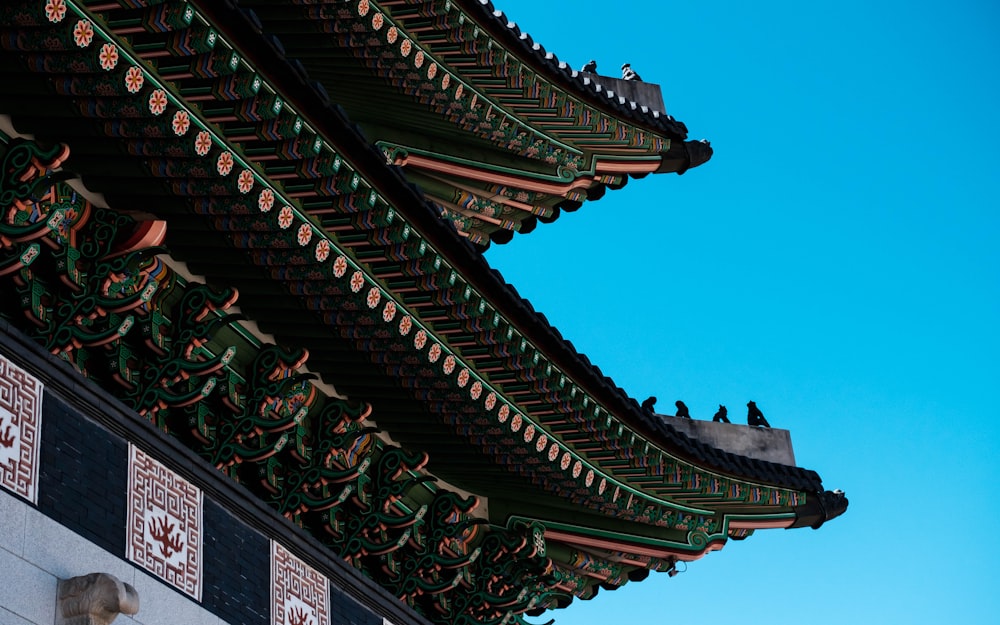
35	552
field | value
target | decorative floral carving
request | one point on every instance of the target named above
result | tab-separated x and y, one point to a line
304	235
265	201
181	123
405	324
285	217
134	78
202	143
322	250
55	10
245	181
108	56
357	281
83	33
157	102
224	164
340	267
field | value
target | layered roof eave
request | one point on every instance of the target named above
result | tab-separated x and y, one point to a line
544	339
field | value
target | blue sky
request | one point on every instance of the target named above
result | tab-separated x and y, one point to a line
837	261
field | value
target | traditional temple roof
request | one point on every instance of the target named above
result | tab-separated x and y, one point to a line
496	131
235	125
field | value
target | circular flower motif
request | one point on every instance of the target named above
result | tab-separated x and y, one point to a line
458	91
432	70
285	217
405	325
108	56
587	481
133	79
392	34
245	181
515	422
434	353
158	102
389	312
529	433
553	452
449	364
476	390
418	60
564	461
377	20
357	281
322	250
224	164
463	378
181	123
374	297
340	267
577	468
420	339
405	46
503	413
304	235
202	143
540	444
55	10
491	400
363	7
445	81
618	491
83	33
265	201
602	486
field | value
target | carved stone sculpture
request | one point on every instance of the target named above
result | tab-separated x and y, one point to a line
94	599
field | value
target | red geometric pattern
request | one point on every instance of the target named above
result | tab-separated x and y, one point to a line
164	523
20	428
299	593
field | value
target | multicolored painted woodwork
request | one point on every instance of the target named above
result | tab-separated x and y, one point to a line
190	131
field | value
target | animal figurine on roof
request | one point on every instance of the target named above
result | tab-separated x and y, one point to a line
682	410
628	73
755	418
720	416
590	67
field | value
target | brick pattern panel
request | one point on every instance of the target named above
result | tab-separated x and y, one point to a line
20	426
299	593
83	477
236	569
164	528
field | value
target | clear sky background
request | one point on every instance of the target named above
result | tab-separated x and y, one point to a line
838	261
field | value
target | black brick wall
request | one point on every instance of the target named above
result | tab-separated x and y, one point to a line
346	611
237	569
83	477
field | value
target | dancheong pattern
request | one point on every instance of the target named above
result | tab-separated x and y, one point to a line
164	523
299	593
20	426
